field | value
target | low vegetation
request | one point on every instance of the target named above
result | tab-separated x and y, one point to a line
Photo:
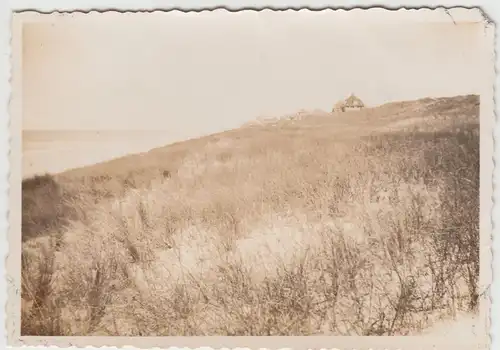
362	224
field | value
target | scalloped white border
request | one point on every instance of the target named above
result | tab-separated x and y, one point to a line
492	9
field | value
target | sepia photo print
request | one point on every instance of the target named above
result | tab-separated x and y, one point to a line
251	173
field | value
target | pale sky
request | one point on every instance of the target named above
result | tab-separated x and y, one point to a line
199	73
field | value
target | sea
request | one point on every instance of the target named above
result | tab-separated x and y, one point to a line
54	151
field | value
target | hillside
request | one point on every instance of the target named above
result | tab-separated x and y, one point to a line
354	223
425	115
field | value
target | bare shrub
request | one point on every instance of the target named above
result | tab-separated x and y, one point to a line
41	313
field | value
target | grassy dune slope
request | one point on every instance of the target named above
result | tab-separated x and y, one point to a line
358	223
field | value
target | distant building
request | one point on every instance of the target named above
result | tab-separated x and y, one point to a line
339	107
352	103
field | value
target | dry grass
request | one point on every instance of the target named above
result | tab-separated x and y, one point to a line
322	226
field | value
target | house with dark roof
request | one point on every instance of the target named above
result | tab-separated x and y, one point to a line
352	103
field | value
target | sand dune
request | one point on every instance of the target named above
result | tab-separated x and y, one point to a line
324	225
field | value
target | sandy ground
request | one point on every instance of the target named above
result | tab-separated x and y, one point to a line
198	252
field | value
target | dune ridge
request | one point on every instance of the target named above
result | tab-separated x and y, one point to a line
359	223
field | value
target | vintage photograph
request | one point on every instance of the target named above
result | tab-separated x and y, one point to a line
254	173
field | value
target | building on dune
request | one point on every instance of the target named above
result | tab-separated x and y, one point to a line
352	103
339	107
